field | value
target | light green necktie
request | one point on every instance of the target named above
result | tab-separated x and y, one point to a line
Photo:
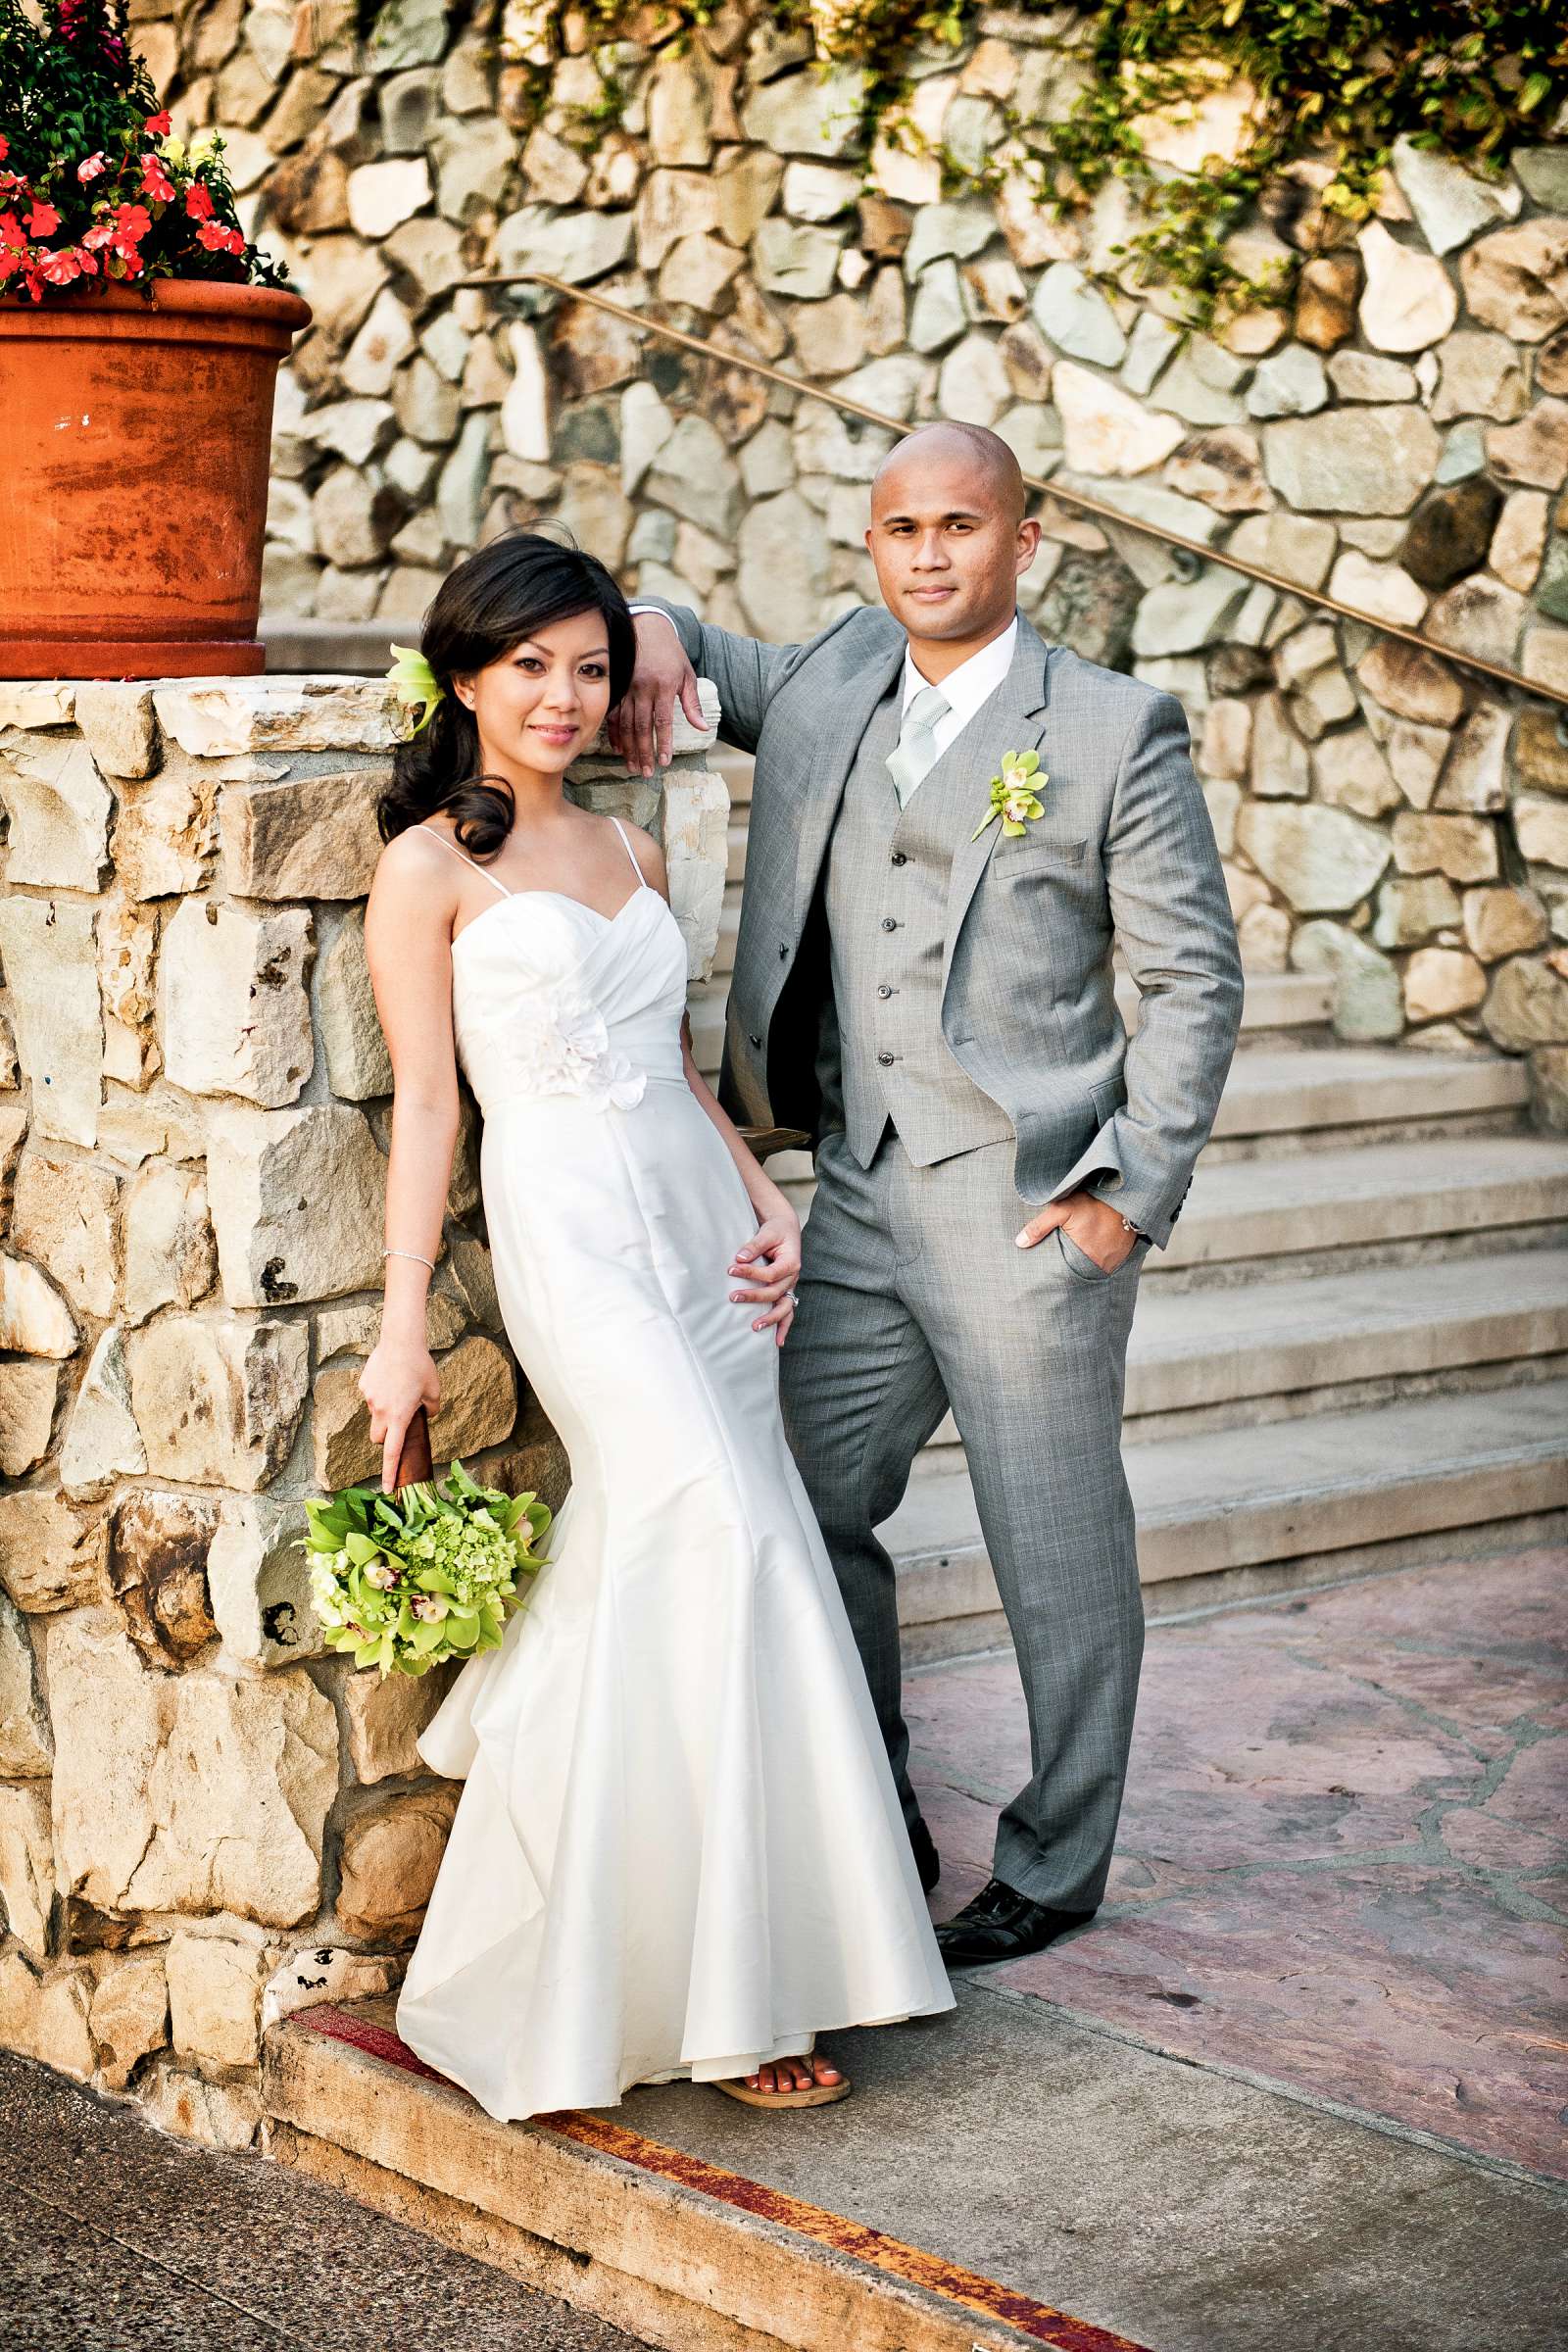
917	752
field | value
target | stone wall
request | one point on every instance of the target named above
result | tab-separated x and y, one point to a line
1398	435
205	1817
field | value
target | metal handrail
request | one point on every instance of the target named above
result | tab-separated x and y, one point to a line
1102	509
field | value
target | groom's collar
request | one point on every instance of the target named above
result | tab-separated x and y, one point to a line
1025	671
973	682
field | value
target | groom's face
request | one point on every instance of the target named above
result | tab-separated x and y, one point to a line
947	546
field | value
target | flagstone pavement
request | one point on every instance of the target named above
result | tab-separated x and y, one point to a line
1343	1861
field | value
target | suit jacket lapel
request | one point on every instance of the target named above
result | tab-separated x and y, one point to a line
1013	720
826	778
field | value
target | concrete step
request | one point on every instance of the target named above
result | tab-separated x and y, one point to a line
1271	1339
736	770
1290	1098
1305	1503
675	2249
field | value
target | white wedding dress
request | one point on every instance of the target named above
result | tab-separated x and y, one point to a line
677	1850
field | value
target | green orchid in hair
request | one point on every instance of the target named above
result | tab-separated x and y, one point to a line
1013	795
413	681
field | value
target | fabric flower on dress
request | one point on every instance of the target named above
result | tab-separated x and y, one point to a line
552	1041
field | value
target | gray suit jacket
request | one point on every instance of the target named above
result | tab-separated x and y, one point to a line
1124	854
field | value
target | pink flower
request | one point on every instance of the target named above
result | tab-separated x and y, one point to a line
218	239
100	234
45	220
199	201
155	182
61	267
94	165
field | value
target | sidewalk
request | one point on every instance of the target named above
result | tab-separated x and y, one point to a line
1299	2088
119	2238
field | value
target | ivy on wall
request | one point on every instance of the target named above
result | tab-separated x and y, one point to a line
1332	86
1329	85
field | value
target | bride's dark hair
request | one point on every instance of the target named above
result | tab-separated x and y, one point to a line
512	589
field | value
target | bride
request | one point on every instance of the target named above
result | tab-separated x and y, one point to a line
677	1850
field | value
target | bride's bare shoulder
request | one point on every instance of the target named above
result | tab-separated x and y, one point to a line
416	879
648	854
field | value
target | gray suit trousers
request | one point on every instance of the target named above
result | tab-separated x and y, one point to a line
914	1295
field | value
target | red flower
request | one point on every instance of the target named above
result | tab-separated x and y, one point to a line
157	127
91	169
155	182
131	220
13	236
45	220
199	201
5	147
218	239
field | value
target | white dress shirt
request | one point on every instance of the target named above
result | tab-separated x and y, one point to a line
966	688
963	689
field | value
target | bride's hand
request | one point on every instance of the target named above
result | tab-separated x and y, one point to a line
396	1380
771	1261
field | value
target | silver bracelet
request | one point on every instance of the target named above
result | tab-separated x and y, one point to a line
413	1253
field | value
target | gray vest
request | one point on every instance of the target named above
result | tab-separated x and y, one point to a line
886	890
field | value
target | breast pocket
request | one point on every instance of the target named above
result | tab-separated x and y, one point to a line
1016	858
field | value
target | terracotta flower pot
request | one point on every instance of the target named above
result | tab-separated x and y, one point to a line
138	437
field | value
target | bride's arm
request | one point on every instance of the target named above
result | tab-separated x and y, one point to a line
408	941
769	1263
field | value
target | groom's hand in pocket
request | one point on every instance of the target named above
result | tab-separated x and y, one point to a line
1096	1229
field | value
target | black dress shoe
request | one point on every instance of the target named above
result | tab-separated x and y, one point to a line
1000	1924
926	1859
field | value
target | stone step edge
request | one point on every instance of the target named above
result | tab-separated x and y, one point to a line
937	1581
687	2255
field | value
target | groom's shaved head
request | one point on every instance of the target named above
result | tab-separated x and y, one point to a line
983	455
949	537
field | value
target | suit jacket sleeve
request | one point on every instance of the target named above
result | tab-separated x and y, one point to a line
745	672
1171	918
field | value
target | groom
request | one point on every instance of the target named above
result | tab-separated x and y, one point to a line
932	998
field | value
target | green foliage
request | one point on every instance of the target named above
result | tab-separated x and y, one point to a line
1338	83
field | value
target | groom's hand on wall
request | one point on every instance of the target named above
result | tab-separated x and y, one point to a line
1097	1229
641	724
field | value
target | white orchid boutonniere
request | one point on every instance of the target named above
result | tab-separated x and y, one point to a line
1013	794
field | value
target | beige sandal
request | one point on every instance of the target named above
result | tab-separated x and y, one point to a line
820	2094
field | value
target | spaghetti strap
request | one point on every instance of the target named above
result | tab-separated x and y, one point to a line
631	854
467	860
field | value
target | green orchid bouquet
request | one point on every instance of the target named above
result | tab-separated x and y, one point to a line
433	1572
